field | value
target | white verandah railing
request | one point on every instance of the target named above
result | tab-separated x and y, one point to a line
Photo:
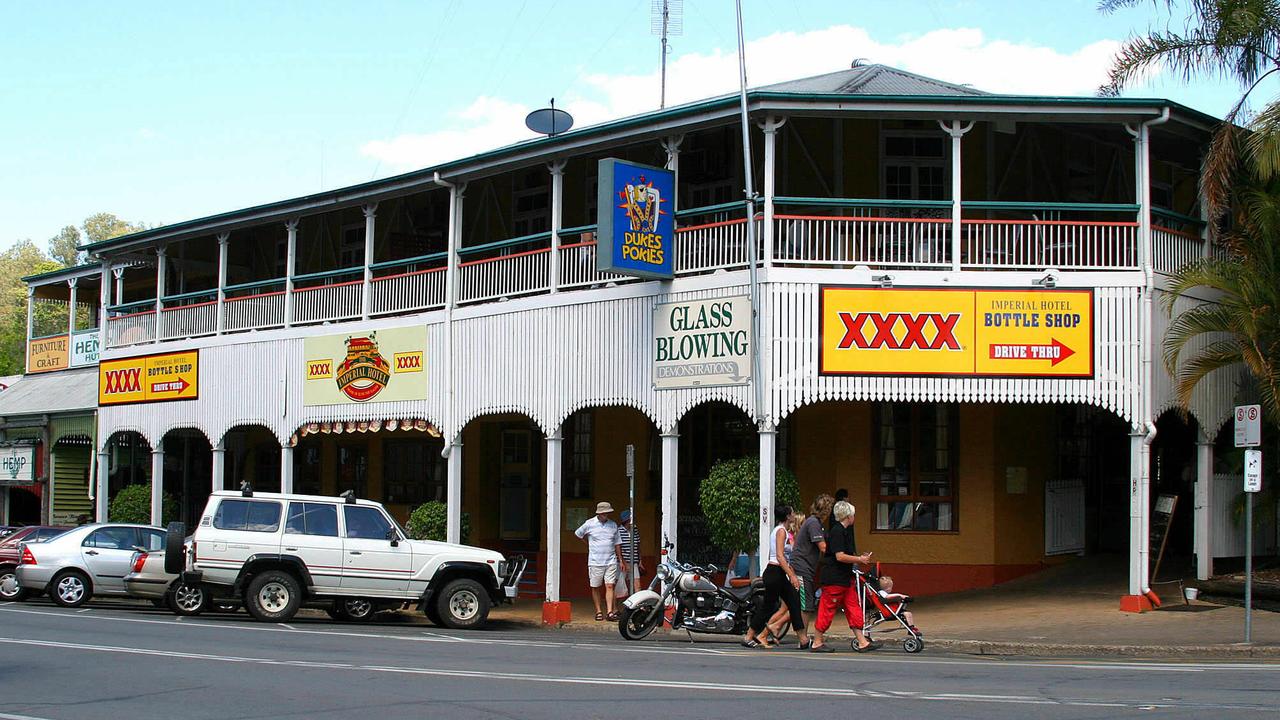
878	234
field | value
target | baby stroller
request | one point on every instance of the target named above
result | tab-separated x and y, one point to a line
877	610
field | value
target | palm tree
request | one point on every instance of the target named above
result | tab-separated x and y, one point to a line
1241	325
1235	40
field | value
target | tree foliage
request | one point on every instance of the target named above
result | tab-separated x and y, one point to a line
62	247
1232	40
133	505
104	226
430	521
20	260
730	497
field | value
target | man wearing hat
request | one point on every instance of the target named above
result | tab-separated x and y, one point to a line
604	554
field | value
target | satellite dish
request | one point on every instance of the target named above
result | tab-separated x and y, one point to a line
549	120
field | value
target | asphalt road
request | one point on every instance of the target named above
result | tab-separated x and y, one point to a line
114	660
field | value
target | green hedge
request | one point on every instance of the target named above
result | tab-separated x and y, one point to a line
730	499
133	505
430	521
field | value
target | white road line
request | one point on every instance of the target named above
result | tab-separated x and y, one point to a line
630	682
7	716
84	610
287	626
654	649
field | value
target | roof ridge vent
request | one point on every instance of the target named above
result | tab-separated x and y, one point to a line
859	62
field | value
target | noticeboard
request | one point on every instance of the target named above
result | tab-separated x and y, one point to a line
1161	518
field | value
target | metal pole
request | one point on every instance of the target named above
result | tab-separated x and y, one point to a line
1248	567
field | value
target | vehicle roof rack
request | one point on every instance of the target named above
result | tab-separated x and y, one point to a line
246	489
348	496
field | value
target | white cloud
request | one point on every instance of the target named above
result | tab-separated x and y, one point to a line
958	55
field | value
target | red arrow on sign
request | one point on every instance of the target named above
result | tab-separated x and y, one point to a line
170	386
1055	352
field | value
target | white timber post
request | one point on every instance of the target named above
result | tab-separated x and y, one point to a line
956	131
366	296
770	127
672	147
100	499
557	221
31	318
223	239
1139	511
453	491
218	467
104	300
118	272
768	459
286	467
162	264
157	484
555	461
290	263
670	489
71	309
1204	508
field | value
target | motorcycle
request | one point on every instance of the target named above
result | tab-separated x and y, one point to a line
698	604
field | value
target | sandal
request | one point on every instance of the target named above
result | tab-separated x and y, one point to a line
821	648
613	616
749	643
599	617
805	645
873	645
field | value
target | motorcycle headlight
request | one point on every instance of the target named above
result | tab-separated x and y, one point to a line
664	573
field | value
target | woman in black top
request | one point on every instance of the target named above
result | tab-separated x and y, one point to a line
780	581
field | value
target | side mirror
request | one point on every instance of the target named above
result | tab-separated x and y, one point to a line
394	537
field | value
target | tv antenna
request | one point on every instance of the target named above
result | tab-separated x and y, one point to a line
549	120
668	19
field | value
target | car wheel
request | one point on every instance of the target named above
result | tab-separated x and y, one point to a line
10	590
70	588
358	609
188	600
464	603
273	596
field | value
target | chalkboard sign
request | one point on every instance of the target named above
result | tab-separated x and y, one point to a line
1161	517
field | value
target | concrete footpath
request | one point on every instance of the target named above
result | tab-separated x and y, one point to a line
1067	611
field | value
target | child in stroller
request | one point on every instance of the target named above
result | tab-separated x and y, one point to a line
896	602
883	606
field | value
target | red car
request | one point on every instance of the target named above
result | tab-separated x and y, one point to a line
10	554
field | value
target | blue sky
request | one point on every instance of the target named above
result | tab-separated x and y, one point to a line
161	112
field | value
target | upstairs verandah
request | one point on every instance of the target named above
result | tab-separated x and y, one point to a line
898	194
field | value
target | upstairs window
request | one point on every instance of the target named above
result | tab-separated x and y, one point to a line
913	165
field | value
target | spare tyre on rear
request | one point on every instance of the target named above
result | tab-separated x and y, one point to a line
175	548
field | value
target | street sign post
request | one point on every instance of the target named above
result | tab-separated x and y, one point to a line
1248	425
633	552
1248	431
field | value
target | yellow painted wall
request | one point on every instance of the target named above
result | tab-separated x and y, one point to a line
832	447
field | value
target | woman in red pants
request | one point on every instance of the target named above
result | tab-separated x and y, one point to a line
837	582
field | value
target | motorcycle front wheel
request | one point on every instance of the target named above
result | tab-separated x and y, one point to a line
638	623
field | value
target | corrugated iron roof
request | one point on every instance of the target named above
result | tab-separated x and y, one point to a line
872	80
58	392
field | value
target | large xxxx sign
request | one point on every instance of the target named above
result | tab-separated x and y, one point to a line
994	333
149	378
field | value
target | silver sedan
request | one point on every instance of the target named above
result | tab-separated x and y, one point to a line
88	561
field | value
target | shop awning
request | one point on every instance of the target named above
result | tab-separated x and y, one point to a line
57	392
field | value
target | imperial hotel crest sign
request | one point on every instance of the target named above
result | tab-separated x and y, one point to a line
376	366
